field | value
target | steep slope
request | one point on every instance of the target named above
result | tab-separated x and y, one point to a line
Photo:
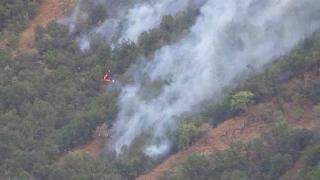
243	128
50	10
95	147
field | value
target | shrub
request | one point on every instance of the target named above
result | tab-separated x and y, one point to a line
188	133
311	156
241	100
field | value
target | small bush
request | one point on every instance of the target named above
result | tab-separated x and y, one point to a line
188	133
241	100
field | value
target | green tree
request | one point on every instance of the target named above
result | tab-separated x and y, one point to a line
196	167
188	133
311	156
241	100
313	175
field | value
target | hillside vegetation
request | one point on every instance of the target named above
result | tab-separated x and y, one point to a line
53	100
14	14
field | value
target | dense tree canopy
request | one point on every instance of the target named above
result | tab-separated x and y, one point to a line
15	13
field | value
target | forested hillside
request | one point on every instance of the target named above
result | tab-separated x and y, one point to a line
52	101
14	14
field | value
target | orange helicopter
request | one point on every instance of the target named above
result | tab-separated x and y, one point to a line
107	78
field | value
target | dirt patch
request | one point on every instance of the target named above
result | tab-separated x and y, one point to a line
217	139
93	148
49	10
244	128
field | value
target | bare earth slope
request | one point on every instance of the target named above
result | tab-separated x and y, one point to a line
243	128
49	10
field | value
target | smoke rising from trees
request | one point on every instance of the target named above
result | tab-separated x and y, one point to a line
228	36
118	20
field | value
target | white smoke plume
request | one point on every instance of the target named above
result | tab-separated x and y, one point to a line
145	16
228	36
125	19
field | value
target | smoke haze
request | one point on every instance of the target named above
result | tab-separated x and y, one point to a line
124	19
228	36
